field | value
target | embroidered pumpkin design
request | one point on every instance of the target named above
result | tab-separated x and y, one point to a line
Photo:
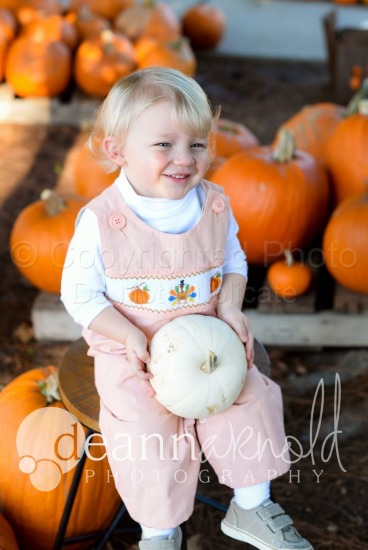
215	282
140	295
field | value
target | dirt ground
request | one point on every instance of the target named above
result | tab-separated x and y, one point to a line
326	491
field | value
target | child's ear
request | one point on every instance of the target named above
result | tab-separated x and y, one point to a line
114	151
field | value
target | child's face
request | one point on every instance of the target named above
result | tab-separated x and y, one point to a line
159	158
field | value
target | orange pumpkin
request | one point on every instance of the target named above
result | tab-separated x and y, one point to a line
33	512
204	25
152	19
176	55
142	48
109	9
288	278
7	536
100	62
53	27
346	154
279	197
345	243
89	177
88	24
356	77
40	237
139	295
313	125
38	68
32	10
231	137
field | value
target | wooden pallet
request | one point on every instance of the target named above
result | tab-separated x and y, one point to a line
275	322
71	109
328	315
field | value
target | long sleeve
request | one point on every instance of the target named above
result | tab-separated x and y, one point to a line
235	259
83	280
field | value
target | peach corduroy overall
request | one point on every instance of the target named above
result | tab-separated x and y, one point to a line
155	456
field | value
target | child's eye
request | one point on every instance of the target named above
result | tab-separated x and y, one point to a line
163	144
199	146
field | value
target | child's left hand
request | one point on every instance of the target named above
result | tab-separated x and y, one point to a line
239	322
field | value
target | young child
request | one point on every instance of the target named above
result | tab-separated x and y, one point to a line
158	226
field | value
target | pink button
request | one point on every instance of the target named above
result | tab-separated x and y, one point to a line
218	205
117	221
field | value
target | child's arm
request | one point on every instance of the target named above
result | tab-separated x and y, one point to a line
230	310
83	294
112	324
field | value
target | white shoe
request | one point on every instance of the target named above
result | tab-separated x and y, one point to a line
266	527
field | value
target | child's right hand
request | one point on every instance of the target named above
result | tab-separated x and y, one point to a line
136	345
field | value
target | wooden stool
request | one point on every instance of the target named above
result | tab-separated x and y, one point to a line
79	395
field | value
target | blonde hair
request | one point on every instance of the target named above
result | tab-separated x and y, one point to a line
131	95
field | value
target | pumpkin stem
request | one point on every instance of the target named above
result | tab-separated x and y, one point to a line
84	13
50	388
177	45
148	3
284	149
53	203
210	364
362	94
289	260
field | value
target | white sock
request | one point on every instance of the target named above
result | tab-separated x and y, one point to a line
252	496
151	532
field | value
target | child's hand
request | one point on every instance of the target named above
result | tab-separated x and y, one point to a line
136	347
239	322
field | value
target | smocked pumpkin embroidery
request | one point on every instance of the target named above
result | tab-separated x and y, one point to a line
140	295
215	282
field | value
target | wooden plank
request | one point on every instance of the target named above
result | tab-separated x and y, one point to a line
269	302
328	329
51	321
78	112
347	301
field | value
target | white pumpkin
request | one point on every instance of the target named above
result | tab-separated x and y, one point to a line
198	365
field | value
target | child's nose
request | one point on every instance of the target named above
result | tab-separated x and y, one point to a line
183	157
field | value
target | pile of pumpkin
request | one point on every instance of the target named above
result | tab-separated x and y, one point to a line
47	46
309	186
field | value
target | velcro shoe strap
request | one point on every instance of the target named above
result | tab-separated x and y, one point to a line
280	522
270	511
